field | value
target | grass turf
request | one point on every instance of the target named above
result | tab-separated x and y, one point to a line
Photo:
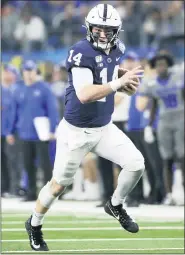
147	241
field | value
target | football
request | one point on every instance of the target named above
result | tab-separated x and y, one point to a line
121	72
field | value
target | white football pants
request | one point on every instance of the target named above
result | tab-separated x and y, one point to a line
109	142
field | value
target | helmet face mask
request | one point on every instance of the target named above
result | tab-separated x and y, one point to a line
111	26
103	43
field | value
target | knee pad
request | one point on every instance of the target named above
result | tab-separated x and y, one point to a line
136	163
45	196
66	176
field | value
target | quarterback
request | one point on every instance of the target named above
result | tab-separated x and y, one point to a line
92	66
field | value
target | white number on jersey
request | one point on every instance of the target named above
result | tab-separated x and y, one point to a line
103	75
76	58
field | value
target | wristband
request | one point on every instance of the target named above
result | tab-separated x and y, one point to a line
115	85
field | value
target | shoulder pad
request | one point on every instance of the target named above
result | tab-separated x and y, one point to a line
84	47
80	55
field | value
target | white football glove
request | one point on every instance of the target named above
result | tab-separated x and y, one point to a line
148	134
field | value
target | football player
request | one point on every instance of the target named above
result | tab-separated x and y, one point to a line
92	65
167	92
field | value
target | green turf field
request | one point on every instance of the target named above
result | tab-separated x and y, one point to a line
70	234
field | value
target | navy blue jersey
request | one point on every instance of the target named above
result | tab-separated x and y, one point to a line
104	69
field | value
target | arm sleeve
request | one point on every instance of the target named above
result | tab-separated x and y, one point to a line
52	109
81	77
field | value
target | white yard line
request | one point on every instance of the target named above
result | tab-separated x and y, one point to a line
19	215
63	222
76	221
88	210
89	250
99	240
95	228
6	215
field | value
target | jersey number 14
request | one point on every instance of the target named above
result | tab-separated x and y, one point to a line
103	75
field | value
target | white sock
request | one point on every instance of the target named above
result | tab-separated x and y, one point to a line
37	219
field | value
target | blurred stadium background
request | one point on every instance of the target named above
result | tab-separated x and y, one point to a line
43	31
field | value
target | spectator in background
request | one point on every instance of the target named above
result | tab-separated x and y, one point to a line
172	27
47	10
6	104
67	25
9	20
82	11
120	7
132	24
34	99
30	32
151	26
59	84
146	7
10	76
10	86
172	17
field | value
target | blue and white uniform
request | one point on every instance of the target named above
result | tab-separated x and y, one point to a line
88	127
104	69
170	100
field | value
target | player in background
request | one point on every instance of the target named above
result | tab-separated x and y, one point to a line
92	66
31	100
167	93
10	174
10	85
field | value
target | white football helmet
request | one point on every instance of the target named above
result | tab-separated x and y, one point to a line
103	16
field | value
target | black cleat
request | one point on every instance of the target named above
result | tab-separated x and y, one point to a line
121	215
36	237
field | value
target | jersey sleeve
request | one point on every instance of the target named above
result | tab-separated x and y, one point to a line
78	57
